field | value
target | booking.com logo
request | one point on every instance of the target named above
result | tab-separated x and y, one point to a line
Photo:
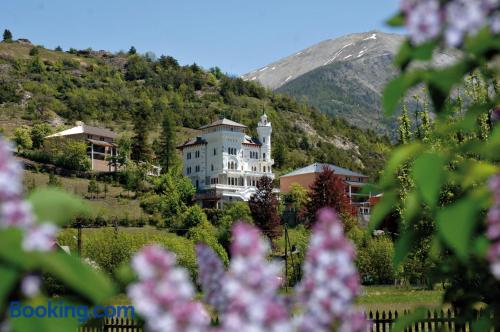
58	309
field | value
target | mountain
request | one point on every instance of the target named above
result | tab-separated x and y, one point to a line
129	91
343	76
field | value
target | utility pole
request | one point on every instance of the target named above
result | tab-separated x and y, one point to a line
79	238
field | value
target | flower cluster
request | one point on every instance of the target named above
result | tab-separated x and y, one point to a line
428	19
14	211
251	286
163	295
493	231
331	281
246	296
211	277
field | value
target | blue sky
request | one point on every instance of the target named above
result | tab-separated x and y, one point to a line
236	35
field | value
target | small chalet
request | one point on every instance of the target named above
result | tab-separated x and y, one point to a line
100	142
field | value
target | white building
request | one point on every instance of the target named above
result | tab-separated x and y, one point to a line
224	163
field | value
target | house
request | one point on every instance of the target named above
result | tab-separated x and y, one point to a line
224	163
100	142
354	183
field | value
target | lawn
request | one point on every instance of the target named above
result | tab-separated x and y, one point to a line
398	297
113	205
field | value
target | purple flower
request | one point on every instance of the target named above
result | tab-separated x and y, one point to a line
16	213
463	17
251	286
423	20
493	231
211	277
30	285
163	295
40	237
331	281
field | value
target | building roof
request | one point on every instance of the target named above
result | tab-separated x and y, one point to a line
251	141
101	143
85	129
223	122
318	167
193	141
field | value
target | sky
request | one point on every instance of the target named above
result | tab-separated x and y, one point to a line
235	35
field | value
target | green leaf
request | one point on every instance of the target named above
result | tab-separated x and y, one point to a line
477	171
408	52
428	174
9	279
86	281
481	245
396	89
399	156
455	224
382	209
35	324
402	248
412	207
11	251
396	20
407	320
56	206
482	42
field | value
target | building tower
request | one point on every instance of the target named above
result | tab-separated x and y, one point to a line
264	130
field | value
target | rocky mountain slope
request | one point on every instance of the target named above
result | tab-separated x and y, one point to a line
129	91
343	76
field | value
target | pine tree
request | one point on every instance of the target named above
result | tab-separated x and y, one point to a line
264	208
132	50
167	141
7	36
141	151
404	126
328	190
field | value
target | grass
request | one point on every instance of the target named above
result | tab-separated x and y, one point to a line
398	298
114	205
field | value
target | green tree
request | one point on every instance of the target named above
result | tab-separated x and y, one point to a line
58	49
167	141
297	197
22	138
132	50
54	181
141	150
37	66
38	132
92	188
34	51
7	36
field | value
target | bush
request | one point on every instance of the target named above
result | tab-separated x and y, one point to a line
110	249
374	260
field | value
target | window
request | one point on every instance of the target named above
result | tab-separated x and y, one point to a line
264	156
197	154
188	170
188	155
263	140
215	151
264	169
197	168
212	168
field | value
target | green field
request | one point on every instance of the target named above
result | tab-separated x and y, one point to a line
115	204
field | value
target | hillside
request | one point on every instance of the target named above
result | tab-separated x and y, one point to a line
114	90
342	77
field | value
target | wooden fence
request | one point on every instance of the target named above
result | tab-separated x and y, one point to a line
381	322
434	321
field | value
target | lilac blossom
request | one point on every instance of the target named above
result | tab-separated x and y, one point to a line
423	20
251	286
463	17
30	285
211	277
331	281
163	294
493	231
40	237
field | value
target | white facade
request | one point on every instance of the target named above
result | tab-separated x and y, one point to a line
224	163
